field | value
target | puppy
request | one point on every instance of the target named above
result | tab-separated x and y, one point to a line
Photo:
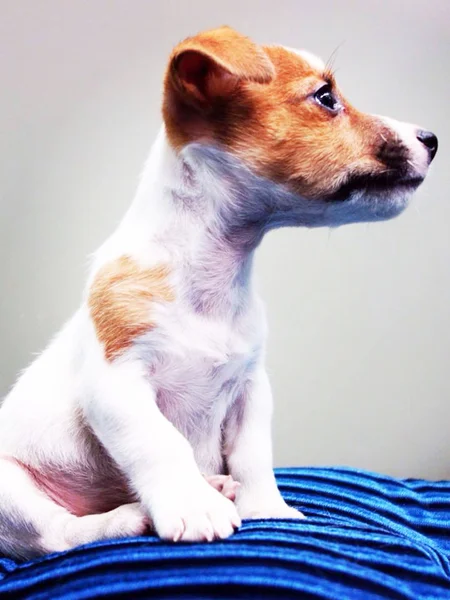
159	377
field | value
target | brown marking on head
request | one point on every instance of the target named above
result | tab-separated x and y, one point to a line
258	102
202	70
120	302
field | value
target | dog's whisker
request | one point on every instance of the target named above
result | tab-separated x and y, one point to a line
332	57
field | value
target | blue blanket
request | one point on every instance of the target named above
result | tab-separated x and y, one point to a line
366	537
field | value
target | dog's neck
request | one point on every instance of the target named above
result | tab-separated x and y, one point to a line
192	203
210	211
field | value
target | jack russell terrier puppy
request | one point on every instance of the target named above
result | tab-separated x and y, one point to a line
153	401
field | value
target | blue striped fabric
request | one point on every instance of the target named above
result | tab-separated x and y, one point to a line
367	536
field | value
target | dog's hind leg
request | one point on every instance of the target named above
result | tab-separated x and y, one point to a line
31	524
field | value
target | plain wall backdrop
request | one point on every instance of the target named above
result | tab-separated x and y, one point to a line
359	320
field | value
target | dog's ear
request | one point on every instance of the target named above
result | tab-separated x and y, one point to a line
209	65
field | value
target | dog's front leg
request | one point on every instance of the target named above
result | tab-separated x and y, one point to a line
157	460
248	452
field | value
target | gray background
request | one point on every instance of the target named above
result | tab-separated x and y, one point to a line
359	317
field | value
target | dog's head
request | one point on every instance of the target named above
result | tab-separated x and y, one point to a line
280	113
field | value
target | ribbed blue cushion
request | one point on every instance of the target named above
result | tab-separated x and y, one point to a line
367	536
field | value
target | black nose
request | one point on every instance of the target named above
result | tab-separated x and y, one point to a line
429	140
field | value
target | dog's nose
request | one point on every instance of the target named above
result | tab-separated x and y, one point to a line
429	140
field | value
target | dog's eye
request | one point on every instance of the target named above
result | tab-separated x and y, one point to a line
326	98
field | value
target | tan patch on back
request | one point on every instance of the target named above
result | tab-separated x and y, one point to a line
120	302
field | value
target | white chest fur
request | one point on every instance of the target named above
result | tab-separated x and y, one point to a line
199	367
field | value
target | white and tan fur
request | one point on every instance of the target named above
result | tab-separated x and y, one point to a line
156	391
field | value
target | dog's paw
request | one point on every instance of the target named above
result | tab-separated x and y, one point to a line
68	531
127	520
224	484
278	510
195	513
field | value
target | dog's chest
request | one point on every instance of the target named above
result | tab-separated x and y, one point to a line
199	368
